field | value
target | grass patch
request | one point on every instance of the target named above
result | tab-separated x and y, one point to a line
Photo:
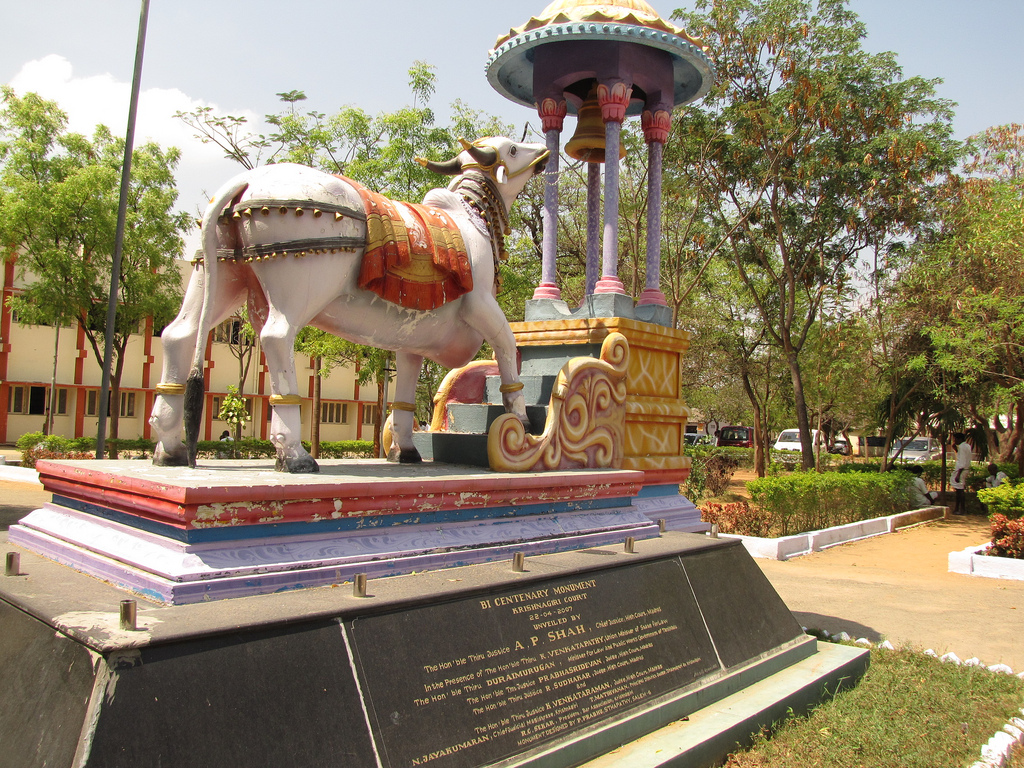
909	711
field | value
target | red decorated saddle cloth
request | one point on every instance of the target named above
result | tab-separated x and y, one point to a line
415	256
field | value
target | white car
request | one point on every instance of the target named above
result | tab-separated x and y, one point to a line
789	439
918	449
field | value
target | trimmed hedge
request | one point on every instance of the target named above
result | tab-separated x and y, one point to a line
36	445
1006	500
810	501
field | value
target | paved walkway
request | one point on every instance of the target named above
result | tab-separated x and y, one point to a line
897	587
893	587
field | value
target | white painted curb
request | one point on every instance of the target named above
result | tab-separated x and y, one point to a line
19	474
969	562
786	547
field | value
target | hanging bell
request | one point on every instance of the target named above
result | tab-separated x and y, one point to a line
587	143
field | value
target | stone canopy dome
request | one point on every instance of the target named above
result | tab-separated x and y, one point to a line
633	12
510	64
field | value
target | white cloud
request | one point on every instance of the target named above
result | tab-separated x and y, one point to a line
92	100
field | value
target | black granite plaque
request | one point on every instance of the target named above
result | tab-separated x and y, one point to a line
472	681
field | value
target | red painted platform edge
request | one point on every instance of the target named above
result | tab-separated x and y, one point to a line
201	507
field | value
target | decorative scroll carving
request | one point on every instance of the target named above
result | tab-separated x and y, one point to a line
585	427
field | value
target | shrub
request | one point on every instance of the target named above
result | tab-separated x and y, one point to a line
809	501
1007	537
35	446
744	457
1006	500
711	470
246	448
738	517
346	449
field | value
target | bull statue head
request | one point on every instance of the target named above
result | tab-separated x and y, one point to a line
507	163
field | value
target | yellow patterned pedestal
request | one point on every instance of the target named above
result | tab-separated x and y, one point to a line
655	413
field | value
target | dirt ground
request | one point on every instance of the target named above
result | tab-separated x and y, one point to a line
17	500
898	587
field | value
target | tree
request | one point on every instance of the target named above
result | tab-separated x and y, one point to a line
967	287
58	210
842	147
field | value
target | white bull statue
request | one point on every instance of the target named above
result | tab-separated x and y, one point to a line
290	242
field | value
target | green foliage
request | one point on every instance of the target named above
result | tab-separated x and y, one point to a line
232	408
806	150
810	501
345	449
1006	500
909	711
246	448
711	470
59	195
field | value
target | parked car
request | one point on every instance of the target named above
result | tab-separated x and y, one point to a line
740	437
695	438
840	446
789	439
916	449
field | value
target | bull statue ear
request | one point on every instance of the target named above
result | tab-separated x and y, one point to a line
450	168
502	174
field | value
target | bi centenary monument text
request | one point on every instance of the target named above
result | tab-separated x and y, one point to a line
499	674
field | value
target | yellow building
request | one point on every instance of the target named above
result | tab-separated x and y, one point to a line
348	411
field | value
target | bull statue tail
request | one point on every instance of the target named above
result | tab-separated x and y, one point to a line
195	385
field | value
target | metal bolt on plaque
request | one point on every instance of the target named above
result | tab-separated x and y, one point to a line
714	530
128	615
662	526
13	566
359	585
518	562
630	545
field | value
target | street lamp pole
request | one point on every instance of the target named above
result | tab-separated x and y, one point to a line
115	268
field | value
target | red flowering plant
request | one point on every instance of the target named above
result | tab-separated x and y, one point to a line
1007	537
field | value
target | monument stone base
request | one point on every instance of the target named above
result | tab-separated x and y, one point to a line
233	528
675	652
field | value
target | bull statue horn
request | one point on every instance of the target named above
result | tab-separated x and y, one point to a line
450	168
485	156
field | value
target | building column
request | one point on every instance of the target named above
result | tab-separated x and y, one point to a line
552	114
614	100
656	127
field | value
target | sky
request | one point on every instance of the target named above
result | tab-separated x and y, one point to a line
234	57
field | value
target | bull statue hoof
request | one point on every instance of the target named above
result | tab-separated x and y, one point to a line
172	458
412	456
298	465
404	455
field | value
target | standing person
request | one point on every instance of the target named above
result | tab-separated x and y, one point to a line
961	471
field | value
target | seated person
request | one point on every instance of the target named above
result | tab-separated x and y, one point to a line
920	496
995	477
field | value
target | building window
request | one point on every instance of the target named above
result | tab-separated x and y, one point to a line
371	414
92	404
62	402
17	400
218	401
229	332
334	413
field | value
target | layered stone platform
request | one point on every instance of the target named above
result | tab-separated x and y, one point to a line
580	653
234	528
